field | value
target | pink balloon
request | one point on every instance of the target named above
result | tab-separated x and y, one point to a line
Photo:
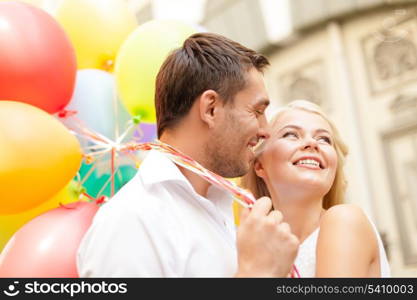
47	245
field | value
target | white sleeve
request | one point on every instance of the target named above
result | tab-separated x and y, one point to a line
121	243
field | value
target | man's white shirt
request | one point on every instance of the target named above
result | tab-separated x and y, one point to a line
158	226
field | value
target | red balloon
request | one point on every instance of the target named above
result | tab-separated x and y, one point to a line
47	245
37	60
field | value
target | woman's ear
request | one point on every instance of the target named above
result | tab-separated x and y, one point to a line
208	107
259	169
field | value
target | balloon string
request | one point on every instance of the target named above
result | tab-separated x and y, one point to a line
79	186
88	196
134	159
87	131
83	136
107	183
81	126
99	200
294	272
90	171
113	161
95	136
124	134
242	196
96	147
99	153
116	115
140	134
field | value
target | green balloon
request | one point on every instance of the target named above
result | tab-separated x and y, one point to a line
95	181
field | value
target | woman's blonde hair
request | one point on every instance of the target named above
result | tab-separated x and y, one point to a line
336	193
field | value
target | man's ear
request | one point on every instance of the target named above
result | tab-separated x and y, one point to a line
209	105
259	169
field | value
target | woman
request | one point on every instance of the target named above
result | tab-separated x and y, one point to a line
301	168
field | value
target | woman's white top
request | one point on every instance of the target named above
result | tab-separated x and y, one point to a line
306	258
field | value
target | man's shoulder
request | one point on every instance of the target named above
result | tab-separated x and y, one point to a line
136	200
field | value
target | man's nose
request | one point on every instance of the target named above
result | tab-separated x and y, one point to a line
263	133
263	128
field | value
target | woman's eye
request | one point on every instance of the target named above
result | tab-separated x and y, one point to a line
325	139
290	134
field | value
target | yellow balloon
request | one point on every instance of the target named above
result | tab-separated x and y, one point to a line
236	212
38	156
237	208
139	60
9	224
96	28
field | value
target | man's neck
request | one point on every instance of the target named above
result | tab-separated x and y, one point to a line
188	146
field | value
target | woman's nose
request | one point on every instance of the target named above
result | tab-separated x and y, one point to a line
310	143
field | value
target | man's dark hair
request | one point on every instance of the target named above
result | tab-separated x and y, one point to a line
206	61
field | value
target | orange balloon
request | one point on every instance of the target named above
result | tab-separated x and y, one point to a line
38	156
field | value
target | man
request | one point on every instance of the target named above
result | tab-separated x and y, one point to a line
170	222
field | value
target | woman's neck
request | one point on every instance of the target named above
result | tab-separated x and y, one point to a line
302	213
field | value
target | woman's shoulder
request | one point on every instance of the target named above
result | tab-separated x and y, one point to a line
347	243
345	213
347	220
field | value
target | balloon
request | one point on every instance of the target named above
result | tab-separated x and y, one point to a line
96	102
38	156
100	176
236	212
139	60
147	133
47	245
37	3
9	224
37	60
97	28
237	209
47	5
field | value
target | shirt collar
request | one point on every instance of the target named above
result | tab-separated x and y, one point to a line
157	168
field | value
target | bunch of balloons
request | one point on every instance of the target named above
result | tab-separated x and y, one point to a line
83	70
